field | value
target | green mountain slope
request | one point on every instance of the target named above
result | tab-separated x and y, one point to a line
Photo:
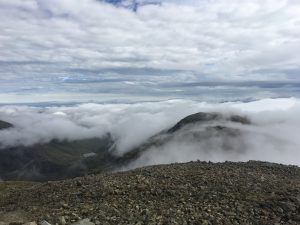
55	160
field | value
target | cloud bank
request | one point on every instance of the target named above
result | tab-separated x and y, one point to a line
54	46
272	136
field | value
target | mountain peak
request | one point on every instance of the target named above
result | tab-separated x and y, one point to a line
202	117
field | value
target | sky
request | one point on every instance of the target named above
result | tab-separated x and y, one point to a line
144	50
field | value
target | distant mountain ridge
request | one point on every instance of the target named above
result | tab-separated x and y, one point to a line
206	117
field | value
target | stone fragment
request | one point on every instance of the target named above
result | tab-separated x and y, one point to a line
83	222
62	220
44	222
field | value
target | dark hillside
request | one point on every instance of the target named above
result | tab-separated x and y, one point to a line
5	125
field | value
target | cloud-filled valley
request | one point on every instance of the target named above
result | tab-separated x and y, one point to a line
272	134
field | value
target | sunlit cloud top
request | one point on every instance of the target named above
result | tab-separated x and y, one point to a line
148	47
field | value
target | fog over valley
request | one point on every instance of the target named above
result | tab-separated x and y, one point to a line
270	132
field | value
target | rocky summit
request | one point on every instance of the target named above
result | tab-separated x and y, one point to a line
190	193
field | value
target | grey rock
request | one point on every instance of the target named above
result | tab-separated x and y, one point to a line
84	222
44	222
62	220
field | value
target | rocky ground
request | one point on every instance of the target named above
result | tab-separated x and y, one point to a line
190	193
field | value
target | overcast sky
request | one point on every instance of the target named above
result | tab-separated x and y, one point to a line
148	49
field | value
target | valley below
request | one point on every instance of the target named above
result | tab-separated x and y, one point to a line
61	159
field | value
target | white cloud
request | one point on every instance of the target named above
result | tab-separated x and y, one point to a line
273	135
223	39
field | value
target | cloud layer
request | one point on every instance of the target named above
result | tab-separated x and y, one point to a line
273	135
97	47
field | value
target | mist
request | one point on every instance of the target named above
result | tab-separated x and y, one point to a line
271	136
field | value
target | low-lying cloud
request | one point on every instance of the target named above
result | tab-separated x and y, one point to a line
272	135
